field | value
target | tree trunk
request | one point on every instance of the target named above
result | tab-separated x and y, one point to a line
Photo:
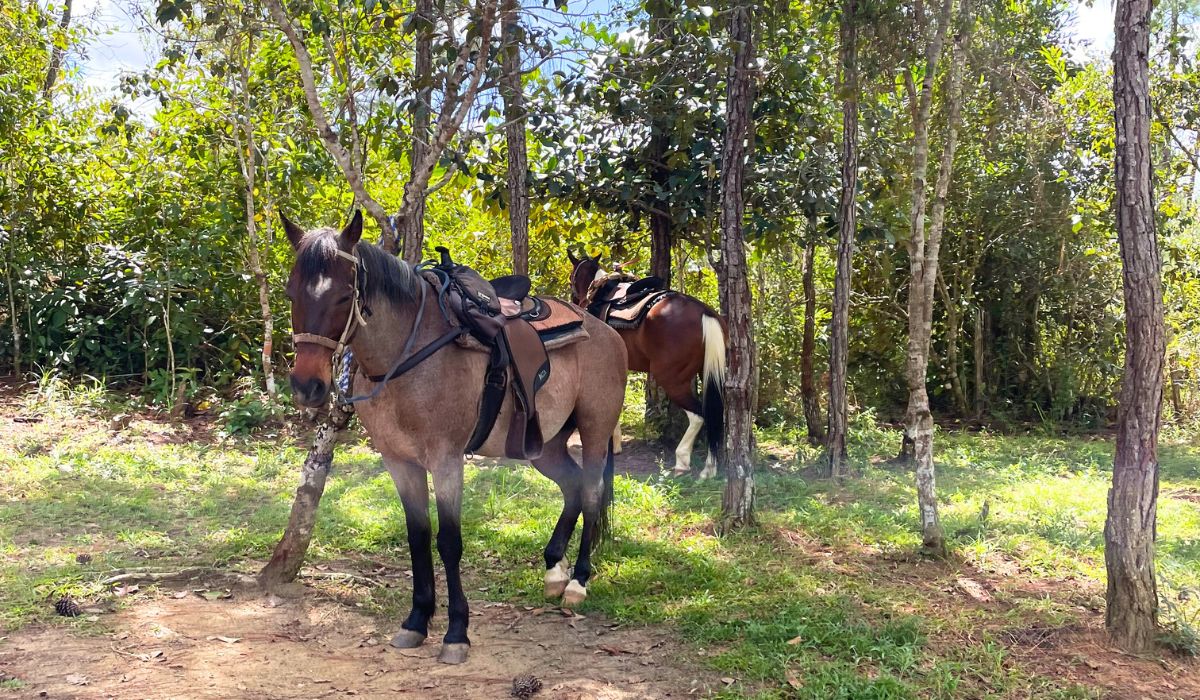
953	321
980	376
923	260
839	323
289	552
661	418
514	131
14	321
737	507
1129	531
412	224
246	150
58	50
917	358
808	387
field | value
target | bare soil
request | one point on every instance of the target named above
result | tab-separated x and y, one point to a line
263	646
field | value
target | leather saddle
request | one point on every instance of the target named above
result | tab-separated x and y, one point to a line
511	326
622	300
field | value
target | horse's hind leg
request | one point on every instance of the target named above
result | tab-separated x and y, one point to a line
683	453
447	489
556	464
412	484
594	495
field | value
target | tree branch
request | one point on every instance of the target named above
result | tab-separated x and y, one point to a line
326	133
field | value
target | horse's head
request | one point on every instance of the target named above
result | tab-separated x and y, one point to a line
323	289
584	272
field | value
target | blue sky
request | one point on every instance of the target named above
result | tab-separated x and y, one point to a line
119	46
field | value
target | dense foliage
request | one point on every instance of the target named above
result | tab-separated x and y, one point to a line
124	227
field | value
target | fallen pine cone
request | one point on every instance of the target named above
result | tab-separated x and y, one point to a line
67	607
525	686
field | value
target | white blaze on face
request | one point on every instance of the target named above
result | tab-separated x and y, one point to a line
320	287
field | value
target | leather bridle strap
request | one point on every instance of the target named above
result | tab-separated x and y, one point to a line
353	320
404	364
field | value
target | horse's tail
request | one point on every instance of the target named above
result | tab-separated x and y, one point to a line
713	379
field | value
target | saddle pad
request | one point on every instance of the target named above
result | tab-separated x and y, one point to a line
558	324
630	317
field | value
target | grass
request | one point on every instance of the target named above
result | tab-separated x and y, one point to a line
824	600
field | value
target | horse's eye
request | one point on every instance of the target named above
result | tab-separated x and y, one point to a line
345	299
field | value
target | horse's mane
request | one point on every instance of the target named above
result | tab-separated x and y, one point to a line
383	274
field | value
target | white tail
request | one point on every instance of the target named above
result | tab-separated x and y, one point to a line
713	382
714	350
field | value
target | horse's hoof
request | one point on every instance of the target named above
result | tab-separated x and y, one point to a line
454	653
681	472
556	579
574	594
408	639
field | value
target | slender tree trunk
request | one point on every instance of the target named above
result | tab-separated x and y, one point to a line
980	376
246	150
661	416
808	387
953	321
329	137
14	321
58	50
923	253
412	225
289	552
917	358
738	502
839	323
1129	531
514	131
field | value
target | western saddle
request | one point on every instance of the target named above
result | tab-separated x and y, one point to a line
622	300
515	329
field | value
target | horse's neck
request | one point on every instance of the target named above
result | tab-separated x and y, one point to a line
378	345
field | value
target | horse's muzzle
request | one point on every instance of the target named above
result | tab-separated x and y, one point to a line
310	393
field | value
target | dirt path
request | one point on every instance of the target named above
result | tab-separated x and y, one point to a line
252	646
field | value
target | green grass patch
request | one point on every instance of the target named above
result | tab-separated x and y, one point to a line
807	606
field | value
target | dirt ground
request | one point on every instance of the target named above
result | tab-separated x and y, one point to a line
178	644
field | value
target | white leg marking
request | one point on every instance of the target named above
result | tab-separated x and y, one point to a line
710	468
574	595
556	579
683	453
617	439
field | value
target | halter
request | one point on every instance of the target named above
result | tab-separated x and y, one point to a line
353	320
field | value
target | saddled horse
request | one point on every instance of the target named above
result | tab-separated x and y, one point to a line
681	338
349	292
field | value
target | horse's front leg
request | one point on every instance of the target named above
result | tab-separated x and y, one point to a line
447	488
412	484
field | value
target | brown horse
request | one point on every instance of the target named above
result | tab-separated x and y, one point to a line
680	339
347	292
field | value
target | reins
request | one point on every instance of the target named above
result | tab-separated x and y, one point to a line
404	364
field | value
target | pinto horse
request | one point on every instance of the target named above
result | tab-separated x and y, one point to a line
680	339
347	292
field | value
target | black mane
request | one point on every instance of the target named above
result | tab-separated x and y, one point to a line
381	273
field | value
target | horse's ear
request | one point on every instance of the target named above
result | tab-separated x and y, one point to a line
353	232
571	256
294	232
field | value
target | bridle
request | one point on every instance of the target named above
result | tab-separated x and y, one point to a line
353	321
